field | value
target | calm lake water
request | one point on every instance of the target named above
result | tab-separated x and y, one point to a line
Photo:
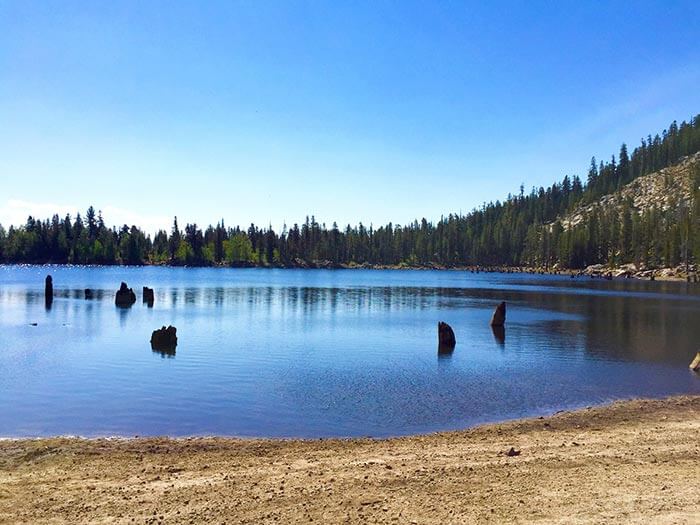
315	353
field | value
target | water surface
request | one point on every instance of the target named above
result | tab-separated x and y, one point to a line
314	353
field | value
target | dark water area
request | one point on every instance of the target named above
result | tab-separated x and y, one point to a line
316	353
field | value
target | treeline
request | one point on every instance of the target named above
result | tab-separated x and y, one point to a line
523	230
621	234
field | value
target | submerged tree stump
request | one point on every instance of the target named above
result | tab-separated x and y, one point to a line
499	315
125	296
446	336
164	340
148	295
499	334
48	289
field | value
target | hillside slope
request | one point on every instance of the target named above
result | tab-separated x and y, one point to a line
649	227
666	190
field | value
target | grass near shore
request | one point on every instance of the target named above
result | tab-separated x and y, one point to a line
630	462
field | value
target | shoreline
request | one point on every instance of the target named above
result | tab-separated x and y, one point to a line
628	461
597	271
345	439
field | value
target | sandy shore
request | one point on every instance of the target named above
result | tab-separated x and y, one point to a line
630	462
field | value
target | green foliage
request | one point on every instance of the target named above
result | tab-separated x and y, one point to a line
184	253
522	230
238	249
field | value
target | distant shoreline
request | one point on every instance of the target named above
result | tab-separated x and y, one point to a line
573	466
599	271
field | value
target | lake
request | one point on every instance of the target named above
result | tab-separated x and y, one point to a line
318	353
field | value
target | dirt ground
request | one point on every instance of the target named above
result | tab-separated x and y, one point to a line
630	462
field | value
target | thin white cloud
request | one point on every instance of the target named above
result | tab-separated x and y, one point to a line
15	212
638	102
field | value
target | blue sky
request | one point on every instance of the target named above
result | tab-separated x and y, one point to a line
352	111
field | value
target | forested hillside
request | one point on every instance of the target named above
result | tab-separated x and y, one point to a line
650	222
573	223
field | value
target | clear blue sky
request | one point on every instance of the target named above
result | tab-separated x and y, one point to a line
352	111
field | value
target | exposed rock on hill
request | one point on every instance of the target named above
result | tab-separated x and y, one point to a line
664	189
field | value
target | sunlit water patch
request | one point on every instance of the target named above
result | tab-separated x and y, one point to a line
328	353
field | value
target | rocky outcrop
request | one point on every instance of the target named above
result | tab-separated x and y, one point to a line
300	263
664	189
148	295
668	191
164	339
632	271
499	315
125	296
327	265
446	336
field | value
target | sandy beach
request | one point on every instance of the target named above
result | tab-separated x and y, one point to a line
630	462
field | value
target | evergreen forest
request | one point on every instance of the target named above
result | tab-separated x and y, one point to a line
523	230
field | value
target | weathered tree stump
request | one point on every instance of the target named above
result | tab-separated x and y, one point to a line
125	296
446	336
499	334
48	289
148	295
499	315
164	339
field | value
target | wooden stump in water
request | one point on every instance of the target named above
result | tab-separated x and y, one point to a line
148	295
48	289
125	296
446	336
499	334
164	340
695	364
499	315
